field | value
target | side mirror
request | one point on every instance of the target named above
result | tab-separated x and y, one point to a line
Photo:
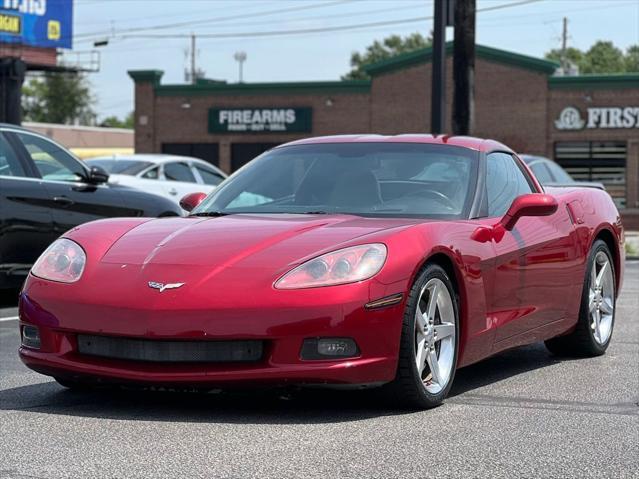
97	175
533	204
190	201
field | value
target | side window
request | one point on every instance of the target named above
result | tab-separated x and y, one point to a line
51	161
209	177
504	182
9	163
152	174
541	173
178	172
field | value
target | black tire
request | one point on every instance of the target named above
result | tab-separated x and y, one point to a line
408	388
581	342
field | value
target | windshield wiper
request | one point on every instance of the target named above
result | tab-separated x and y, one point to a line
317	212
212	214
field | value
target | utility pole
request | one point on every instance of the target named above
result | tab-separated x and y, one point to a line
193	74
442	18
12	73
564	46
464	68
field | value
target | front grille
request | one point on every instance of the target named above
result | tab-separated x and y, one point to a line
161	351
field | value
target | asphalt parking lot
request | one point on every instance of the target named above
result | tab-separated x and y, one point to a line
523	413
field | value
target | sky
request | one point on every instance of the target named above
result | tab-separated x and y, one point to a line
529	27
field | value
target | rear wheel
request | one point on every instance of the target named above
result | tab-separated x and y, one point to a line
429	341
592	334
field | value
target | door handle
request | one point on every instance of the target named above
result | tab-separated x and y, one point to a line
63	201
173	191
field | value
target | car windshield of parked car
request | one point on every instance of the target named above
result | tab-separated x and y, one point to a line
120	167
560	175
368	179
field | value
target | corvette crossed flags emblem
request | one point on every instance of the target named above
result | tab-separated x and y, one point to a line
163	287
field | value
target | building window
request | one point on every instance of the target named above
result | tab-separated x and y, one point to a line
602	161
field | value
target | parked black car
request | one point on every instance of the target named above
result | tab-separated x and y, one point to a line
45	190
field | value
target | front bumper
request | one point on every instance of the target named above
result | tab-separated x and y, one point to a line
283	327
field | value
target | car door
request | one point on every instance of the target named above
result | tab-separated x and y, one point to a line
536	264
71	199
179	179
26	222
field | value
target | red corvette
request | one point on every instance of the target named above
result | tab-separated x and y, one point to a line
351	260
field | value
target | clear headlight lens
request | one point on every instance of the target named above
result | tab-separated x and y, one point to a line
63	261
347	265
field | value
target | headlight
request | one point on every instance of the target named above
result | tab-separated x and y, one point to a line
347	265
63	261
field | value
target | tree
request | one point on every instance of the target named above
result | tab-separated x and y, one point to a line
58	98
632	59
115	122
573	55
382	50
603	57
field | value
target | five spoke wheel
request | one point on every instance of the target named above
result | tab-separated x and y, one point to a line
601	298
435	336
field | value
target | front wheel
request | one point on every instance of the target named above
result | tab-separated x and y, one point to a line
429	341
592	334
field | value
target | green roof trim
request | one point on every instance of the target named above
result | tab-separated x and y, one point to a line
289	88
140	76
621	80
425	55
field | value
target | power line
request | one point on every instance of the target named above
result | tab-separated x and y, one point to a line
315	18
215	19
317	30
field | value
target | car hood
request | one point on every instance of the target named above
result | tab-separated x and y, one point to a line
256	241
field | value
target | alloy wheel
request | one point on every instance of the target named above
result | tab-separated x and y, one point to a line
601	296
435	336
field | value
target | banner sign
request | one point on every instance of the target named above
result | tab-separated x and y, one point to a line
598	117
260	120
37	23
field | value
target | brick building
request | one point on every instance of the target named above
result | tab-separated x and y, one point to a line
589	124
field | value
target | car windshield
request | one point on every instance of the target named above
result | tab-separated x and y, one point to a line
120	167
560	174
368	179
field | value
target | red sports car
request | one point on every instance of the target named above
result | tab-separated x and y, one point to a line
351	260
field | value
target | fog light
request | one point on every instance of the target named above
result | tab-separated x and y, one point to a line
326	348
31	337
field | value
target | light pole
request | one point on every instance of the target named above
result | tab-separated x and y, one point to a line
240	58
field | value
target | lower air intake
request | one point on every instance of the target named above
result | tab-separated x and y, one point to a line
160	351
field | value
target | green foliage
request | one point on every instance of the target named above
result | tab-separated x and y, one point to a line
573	55
601	58
632	59
58	98
115	122
604	57
382	50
